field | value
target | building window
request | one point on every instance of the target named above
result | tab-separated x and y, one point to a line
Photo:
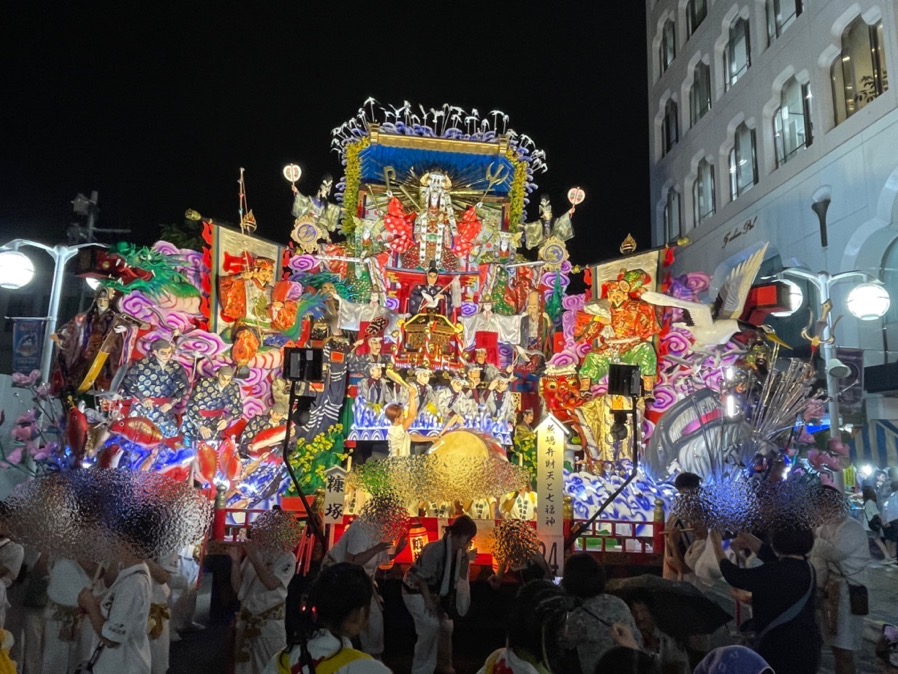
859	73
667	51
780	15
700	93
672	222
670	129
792	121
743	162
696	11
737	55
703	193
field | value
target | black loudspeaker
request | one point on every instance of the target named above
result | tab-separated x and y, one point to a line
624	380
304	365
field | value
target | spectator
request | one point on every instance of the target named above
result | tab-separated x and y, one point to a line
873	522
335	612
590	629
536	625
432	586
889	511
733	660
840	556
782	596
669	654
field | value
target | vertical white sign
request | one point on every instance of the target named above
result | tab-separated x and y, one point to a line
334	494
550	443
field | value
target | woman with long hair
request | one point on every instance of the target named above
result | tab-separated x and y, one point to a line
872	518
334	612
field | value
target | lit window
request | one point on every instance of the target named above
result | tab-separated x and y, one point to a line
703	193
667	51
743	162
737	55
780	15
696	11
670	130
859	72
792	121
672	223
700	93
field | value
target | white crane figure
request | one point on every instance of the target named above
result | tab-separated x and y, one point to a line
713	324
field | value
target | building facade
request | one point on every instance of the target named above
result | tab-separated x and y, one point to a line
774	120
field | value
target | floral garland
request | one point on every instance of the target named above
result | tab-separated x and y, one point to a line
352	179
310	459
518	189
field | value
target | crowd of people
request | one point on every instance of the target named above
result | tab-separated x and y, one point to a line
801	586
61	615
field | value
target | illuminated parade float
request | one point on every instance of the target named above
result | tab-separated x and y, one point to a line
414	349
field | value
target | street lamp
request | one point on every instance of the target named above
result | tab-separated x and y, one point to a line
867	301
17	270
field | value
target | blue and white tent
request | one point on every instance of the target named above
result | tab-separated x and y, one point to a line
876	444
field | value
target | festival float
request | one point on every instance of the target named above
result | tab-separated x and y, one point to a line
432	269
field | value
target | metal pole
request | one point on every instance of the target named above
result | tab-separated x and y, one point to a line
60	255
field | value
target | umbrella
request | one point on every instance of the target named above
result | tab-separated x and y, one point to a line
680	608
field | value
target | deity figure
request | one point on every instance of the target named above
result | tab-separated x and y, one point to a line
276	416
316	217
421	385
374	389
627	338
246	294
429	297
536	327
477	389
540	230
524	428
215	402
453	404
488	371
500	403
375	355
485	329
90	346
439	238
157	383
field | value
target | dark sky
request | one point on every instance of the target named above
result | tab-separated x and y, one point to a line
158	108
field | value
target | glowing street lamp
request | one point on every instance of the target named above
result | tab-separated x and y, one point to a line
17	271
867	301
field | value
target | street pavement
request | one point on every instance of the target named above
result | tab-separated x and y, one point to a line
478	634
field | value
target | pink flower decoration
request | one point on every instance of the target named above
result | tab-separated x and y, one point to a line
15	456
23	433
27	419
24	381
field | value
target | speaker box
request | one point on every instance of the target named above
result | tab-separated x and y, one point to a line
624	380
303	364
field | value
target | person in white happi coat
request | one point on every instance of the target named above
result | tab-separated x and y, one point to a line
183	584
119	618
159	617
362	544
260	581
67	643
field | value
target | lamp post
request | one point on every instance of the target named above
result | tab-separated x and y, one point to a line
867	301
17	271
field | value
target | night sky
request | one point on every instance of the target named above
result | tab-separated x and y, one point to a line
158	108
